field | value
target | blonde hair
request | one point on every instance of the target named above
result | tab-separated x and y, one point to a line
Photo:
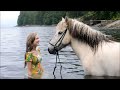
29	42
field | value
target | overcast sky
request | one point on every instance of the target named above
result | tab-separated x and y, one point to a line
9	18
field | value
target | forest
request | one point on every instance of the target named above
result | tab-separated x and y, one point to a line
53	17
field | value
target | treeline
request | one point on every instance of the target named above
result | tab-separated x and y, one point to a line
44	17
101	15
53	17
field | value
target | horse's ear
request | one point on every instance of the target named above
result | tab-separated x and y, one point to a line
66	19
63	19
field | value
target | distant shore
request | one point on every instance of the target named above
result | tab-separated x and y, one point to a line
111	25
36	26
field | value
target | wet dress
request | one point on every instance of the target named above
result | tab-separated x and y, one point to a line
36	64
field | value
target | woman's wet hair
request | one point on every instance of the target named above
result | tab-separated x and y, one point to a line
29	43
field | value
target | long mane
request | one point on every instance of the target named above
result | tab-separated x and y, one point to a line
86	34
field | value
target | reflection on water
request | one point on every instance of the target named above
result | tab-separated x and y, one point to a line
13	48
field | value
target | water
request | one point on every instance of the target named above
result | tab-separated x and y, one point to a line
13	48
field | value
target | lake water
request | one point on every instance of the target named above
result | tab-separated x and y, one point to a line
12	50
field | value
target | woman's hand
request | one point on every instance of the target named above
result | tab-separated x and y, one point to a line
40	67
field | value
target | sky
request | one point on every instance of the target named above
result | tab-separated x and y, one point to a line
9	18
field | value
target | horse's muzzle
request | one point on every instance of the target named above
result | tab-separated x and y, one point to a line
52	51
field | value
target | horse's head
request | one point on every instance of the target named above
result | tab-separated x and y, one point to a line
61	37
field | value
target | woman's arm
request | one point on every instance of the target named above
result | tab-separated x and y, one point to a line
29	64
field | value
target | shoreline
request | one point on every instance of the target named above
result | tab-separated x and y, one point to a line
35	26
108	25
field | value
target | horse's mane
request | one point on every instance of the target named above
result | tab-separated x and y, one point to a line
86	34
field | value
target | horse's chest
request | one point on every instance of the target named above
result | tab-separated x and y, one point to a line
92	66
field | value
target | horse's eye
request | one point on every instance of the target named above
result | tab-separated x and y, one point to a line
60	32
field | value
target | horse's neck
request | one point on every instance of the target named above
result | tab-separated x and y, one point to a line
81	50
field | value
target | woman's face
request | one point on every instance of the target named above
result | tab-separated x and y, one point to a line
36	41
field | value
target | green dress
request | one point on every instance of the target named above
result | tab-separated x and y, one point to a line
36	64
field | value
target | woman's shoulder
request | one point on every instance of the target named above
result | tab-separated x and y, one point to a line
29	53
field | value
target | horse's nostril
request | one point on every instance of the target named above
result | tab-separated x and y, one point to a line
51	51
48	49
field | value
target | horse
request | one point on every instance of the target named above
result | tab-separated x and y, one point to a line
99	53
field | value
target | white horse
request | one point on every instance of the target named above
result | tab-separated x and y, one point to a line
99	54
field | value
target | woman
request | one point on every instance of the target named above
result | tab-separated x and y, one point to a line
33	57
